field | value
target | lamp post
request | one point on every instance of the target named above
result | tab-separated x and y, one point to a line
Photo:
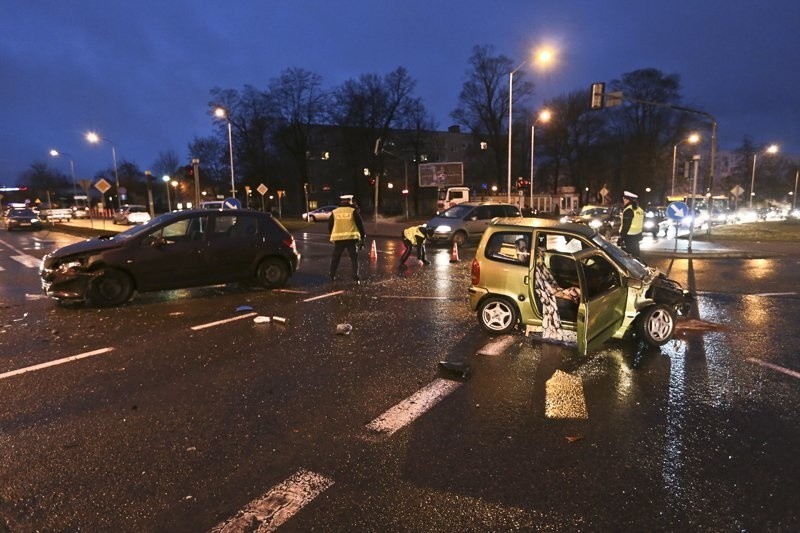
56	153
544	116
166	179
222	113
544	56
693	139
94	138
772	149
794	194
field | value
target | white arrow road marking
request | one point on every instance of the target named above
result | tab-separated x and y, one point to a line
282	502
27	260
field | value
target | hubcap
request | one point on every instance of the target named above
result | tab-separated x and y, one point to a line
660	325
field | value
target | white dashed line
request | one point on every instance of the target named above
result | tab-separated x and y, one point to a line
497	346
412	407
775	367
56	362
27	260
775	294
327	295
282	502
219	322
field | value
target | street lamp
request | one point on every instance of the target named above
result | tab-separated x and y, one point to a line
544	57
544	116
166	179
692	139
772	149
222	113
56	153
94	138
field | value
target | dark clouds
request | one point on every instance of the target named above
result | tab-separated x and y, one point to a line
140	72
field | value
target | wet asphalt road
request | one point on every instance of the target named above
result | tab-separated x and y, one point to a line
195	415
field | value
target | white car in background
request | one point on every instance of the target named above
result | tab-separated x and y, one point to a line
131	214
321	213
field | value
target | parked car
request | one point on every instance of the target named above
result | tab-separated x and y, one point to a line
467	220
606	219
174	250
656	221
131	214
321	213
80	211
22	219
612	293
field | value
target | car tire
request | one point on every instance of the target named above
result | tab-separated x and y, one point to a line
110	287
497	315
459	237
656	324
272	273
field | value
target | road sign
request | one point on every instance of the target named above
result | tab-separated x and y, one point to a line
677	210
231	203
102	185
603	192
262	189
737	191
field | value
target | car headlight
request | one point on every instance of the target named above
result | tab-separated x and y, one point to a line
649	224
563	220
594	223
444	229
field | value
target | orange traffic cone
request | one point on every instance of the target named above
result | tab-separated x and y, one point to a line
373	253
454	255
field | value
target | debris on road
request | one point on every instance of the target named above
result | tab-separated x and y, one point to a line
279	319
344	329
244	309
457	367
261	319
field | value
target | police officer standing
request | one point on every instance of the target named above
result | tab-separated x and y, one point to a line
347	231
632	221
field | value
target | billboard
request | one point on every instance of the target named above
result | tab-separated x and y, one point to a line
441	174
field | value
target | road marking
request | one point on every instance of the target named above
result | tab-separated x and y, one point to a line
775	294
412	407
328	295
564	398
56	362
421	297
27	260
497	346
225	321
775	367
282	502
290	291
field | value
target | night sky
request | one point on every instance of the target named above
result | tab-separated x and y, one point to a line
139	72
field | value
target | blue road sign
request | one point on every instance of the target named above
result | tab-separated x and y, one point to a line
677	210
231	203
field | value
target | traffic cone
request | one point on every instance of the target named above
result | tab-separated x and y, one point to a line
373	253
454	255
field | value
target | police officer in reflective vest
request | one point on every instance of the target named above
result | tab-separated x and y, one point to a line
414	236
347	231
632	221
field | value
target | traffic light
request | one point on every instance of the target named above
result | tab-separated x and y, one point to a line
520	183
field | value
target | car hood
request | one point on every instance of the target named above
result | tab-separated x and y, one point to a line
93	245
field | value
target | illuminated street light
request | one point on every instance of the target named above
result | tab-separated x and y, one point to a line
543	57
692	139
166	179
544	116
772	149
56	153
222	113
94	138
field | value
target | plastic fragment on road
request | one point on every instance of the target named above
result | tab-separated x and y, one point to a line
344	329
279	319
574	438
244	309
261	319
456	367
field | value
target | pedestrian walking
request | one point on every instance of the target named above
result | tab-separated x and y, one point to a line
415	236
347	233
630	233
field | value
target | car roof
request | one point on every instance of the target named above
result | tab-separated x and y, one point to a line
539	223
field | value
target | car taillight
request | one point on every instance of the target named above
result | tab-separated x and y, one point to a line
476	272
290	243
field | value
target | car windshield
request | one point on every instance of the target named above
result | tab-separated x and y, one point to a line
457	211
633	266
137	209
23	213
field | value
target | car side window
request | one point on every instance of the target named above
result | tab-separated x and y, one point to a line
186	229
601	276
483	212
509	247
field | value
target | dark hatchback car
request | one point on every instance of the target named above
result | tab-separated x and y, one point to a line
175	250
22	219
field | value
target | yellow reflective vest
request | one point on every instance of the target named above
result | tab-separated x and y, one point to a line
637	222
412	233
344	224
